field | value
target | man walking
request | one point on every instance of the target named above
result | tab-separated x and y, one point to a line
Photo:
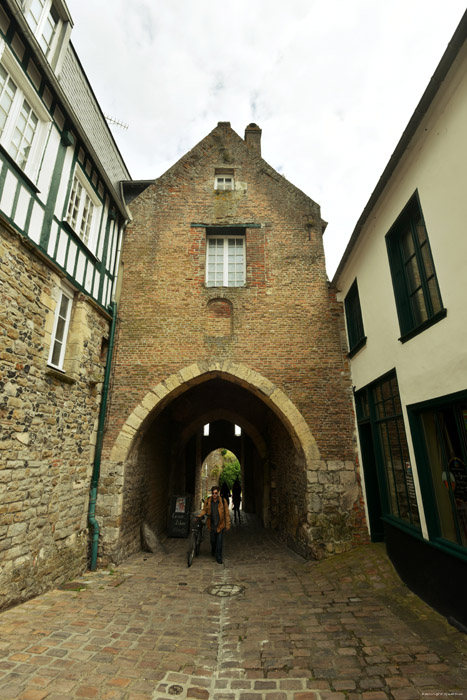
218	521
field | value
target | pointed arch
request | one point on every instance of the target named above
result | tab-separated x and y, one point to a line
237	373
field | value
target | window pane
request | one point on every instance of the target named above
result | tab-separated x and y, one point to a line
60	329
419	309
55	360
34	14
445	441
434	295
408	247
413	274
395	452
7	94
23	134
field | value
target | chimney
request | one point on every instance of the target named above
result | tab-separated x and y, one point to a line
253	138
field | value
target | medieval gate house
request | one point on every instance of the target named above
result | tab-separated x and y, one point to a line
226	319
145	324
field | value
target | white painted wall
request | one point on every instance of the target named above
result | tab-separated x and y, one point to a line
434	362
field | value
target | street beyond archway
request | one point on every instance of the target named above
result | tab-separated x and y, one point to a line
265	625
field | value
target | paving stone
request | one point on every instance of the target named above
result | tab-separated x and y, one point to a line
340	629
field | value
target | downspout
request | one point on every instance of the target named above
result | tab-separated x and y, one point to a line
103	408
100	438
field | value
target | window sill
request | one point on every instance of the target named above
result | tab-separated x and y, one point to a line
13	164
445	546
219	286
426	324
353	351
403	525
60	375
450	548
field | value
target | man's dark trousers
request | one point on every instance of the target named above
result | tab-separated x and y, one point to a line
217	540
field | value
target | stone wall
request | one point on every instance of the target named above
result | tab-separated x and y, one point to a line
48	423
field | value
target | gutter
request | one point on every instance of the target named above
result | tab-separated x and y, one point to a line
96	469
99	441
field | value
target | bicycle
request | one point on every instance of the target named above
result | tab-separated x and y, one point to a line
196	537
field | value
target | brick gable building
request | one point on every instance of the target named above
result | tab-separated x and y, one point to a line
226	318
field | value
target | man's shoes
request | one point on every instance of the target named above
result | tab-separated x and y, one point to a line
219	561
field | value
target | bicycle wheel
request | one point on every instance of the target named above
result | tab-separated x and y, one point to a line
191	549
197	542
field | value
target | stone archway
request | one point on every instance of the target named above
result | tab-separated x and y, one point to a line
176	383
314	481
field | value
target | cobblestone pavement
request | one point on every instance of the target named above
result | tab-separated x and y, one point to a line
266	625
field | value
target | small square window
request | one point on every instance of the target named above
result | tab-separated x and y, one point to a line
224	179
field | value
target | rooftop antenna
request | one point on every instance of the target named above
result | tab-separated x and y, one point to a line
115	122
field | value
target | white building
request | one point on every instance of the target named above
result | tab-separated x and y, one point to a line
403	278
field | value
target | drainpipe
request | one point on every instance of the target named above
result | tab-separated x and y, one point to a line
100	438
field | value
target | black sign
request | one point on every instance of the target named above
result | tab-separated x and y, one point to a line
179	516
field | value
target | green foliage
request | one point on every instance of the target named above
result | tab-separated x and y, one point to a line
231	469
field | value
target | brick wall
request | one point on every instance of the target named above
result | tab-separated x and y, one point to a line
285	324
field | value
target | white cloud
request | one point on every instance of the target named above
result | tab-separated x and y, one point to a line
332	83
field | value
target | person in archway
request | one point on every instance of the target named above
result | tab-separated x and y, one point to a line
218	521
225	491
236	499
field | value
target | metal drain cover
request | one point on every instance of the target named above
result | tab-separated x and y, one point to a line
225	590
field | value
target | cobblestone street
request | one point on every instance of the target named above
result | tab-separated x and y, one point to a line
266	624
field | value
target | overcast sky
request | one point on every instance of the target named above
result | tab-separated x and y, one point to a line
332	84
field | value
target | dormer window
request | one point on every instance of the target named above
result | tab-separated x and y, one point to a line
50	23
43	20
224	179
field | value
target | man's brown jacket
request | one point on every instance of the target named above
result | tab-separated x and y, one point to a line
224	513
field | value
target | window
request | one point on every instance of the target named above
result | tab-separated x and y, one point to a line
440	439
22	117
225	258
353	315
416	290
82	207
224	179
380	405
43	19
60	330
18	122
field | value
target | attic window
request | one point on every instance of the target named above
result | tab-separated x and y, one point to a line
224	179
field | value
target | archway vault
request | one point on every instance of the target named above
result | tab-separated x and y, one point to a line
238	373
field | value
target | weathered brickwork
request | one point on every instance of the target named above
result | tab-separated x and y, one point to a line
47	425
284	325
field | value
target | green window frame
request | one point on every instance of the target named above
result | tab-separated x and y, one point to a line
379	404
416	289
353	315
439	432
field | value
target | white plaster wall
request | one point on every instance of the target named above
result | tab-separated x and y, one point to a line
434	362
